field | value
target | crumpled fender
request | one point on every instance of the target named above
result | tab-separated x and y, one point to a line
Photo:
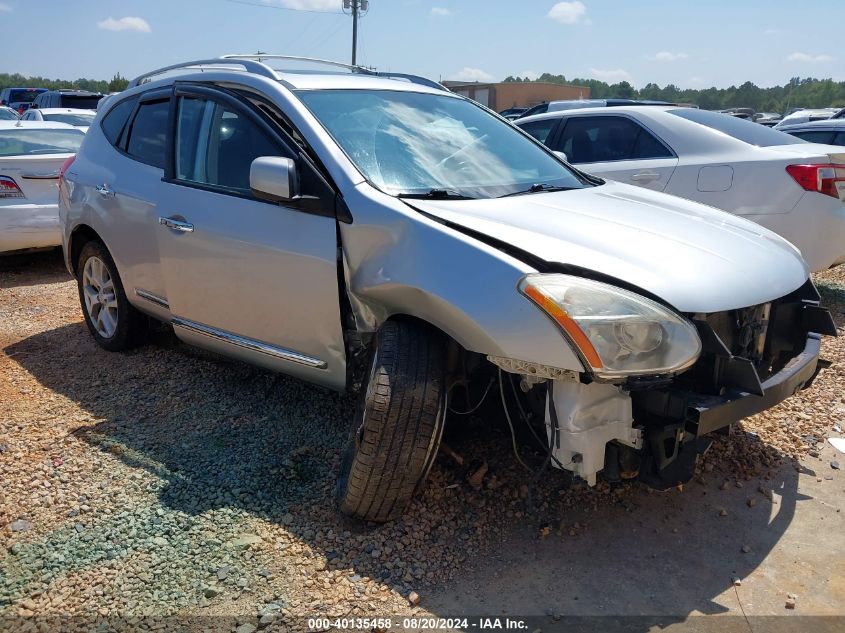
399	262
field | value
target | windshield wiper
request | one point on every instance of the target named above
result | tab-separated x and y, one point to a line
436	194
537	188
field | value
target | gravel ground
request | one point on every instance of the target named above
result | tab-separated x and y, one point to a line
171	482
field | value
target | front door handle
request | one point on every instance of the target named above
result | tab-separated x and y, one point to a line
104	190
177	225
645	176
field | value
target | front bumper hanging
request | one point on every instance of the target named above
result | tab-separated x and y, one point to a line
705	414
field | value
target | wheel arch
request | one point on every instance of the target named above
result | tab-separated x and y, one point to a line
81	235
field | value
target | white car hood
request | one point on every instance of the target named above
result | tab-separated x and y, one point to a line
694	257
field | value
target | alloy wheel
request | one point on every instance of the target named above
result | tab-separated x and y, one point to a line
100	297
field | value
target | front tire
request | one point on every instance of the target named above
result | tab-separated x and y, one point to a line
110	318
398	423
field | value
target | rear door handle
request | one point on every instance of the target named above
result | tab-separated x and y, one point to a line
645	176
177	225
104	190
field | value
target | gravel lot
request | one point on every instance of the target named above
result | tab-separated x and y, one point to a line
171	482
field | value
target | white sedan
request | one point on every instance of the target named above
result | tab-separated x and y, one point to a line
31	156
76	117
794	188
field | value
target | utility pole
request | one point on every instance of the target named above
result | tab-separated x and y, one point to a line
358	8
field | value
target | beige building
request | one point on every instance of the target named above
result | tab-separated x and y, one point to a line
500	96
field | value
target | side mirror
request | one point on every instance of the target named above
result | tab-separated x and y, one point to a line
562	156
273	178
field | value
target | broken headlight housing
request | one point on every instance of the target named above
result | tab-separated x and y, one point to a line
617	333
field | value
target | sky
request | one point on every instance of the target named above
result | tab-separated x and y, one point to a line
691	43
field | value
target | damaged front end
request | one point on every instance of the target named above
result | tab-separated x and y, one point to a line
655	426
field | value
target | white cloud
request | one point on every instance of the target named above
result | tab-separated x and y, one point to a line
4	7
611	76
308	5
568	12
666	56
440	12
473	74
124	24
805	57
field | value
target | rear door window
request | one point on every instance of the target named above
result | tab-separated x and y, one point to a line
608	138
840	139
147	140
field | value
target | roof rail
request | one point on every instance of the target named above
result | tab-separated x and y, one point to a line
355	69
414	79
253	64
312	60
249	66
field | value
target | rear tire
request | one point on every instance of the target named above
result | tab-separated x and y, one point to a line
398	423
110	318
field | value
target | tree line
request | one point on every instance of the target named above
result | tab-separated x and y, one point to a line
797	93
17	80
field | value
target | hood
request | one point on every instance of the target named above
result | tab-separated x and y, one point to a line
694	257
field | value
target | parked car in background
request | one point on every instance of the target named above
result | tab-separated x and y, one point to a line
806	115
512	113
397	240
829	132
76	117
789	186
19	98
740	113
572	104
31	155
839	115
8	114
65	98
769	119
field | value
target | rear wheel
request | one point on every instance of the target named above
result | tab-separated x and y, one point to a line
398	423
112	321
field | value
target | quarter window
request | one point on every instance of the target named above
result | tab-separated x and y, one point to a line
215	145
540	129
608	138
115	120
840	139
148	135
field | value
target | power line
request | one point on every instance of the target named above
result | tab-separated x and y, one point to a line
280	8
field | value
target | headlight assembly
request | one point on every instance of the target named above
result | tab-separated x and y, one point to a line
617	333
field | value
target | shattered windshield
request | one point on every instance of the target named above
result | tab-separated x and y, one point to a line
410	143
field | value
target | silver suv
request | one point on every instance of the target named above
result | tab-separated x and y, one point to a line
379	234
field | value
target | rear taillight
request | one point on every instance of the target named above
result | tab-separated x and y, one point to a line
820	178
9	188
65	166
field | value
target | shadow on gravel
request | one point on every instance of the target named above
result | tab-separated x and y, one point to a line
833	298
29	269
222	434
